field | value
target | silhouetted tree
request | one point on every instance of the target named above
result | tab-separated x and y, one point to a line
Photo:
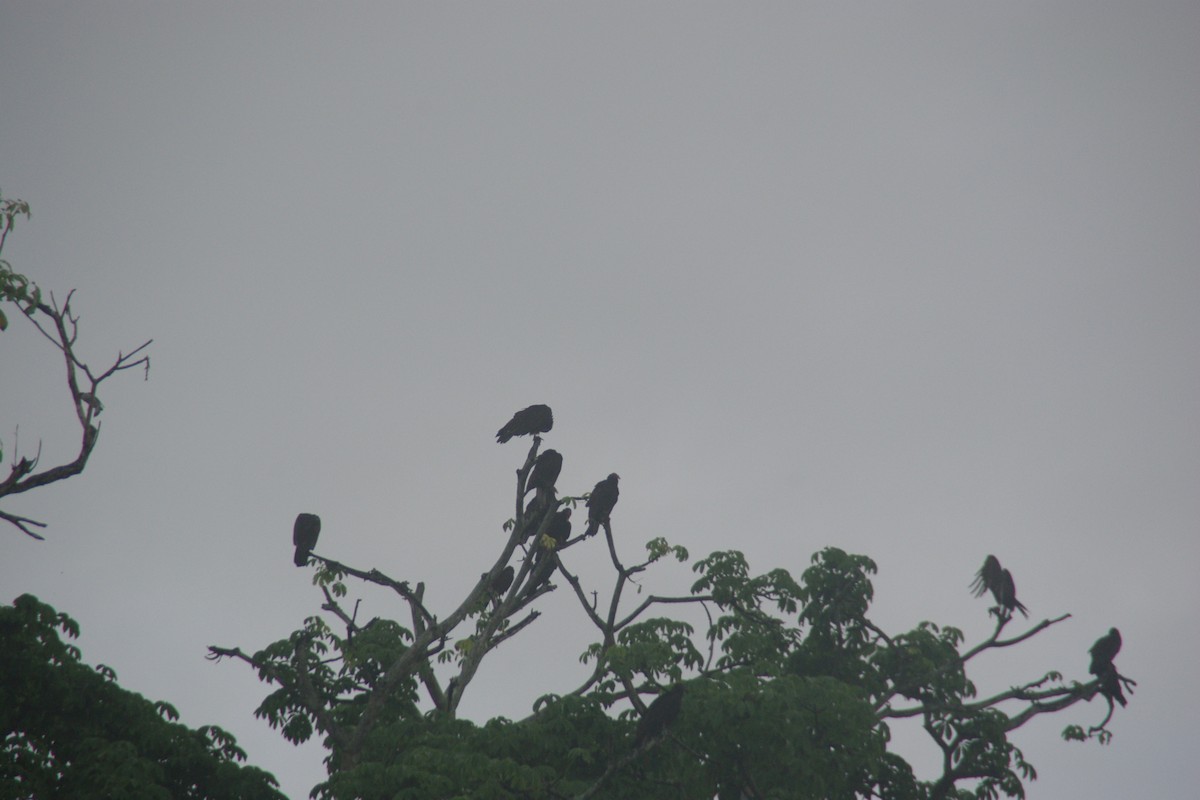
59	325
68	730
791	688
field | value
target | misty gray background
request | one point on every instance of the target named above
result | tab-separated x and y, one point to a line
916	280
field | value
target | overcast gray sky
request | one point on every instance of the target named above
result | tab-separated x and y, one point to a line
916	280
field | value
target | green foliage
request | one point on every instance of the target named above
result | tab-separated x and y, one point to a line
14	286
788	692
793	700
70	731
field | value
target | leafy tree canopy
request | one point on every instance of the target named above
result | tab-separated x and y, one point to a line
69	730
789	689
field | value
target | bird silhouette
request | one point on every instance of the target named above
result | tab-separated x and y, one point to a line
601	501
304	536
534	419
545	472
659	716
999	581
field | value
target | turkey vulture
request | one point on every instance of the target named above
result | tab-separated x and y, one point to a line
532	517
1104	651
1008	596
659	716
545	471
503	580
601	501
304	536
999	581
534	419
989	577
559	528
1110	685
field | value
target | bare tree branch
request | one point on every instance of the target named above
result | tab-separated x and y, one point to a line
63	332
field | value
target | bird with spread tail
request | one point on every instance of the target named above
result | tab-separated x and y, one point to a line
999	581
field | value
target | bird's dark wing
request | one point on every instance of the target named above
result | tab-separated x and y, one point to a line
988	578
304	536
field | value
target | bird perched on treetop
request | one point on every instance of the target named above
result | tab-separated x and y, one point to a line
545	472
532	420
659	716
999	581
304	536
1104	651
601	501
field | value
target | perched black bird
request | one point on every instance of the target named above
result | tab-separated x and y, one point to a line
659	716
559	528
999	581
532	420
1110	685
1104	651
545	471
304	536
1008	597
533	515
601	501
989	577
503	580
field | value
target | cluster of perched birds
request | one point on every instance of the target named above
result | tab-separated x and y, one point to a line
999	581
533	421
538	419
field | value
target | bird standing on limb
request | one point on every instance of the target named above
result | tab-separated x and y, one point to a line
545	472
1104	651
659	716
999	581
532	420
601	501
304	536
